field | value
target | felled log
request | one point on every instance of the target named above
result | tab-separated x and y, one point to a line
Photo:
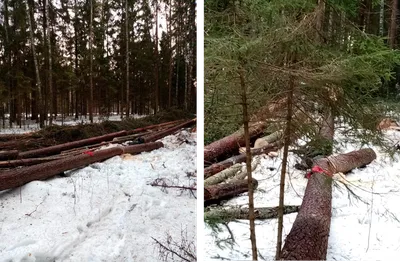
8	137
130	137
56	149
8	154
227	190
27	161
142	129
136	149
169	131
223	175
228	214
231	143
308	238
266	140
18	177
218	167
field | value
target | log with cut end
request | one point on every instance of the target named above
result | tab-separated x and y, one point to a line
232	142
218	167
308	238
18	177
170	131
228	214
257	125
8	154
58	148
227	190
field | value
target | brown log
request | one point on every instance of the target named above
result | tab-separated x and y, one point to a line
141	129
232	142
135	149
218	167
9	154
227	190
56	149
7	137
18	177
308	238
161	134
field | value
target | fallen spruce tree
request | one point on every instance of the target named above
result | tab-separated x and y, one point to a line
18	177
308	238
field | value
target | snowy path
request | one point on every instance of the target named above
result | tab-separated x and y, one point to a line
104	212
365	229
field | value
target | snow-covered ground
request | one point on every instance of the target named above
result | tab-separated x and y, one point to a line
107	211
367	229
31	126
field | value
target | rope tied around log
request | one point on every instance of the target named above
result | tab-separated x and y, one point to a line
318	169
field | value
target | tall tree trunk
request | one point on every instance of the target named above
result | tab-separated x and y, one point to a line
30	5
8	54
248	165
157	65
76	61
393	24
288	132
91	62
171	58
127	56
49	63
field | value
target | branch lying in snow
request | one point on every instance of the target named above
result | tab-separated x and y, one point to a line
160	182
185	250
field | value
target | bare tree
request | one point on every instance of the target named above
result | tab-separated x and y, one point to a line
31	21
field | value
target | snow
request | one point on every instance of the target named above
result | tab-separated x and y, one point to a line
365	229
31	125
107	211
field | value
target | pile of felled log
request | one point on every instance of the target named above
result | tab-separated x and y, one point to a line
19	168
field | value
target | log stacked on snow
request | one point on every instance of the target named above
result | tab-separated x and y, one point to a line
18	177
58	148
169	131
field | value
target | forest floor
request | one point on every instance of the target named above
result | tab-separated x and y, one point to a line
107	211
363	228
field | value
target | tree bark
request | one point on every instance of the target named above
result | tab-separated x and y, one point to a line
170	131
7	155
218	167
30	6
393	24
232	142
308	238
127	56
260	213
58	148
18	177
91	62
227	190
